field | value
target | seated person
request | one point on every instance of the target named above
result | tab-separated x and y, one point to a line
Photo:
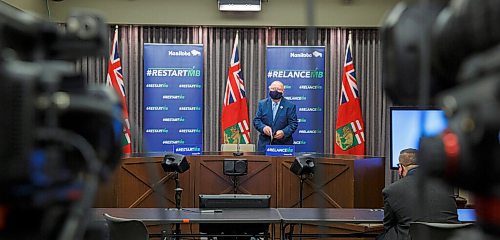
403	203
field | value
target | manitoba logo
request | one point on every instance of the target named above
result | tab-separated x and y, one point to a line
317	54
300	55
179	53
195	52
349	135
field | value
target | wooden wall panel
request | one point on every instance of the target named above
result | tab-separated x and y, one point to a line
369	182
136	187
210	178
330	186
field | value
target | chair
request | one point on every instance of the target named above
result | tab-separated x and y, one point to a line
234	147
425	230
126	229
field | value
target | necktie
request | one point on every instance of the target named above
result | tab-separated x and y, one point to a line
275	110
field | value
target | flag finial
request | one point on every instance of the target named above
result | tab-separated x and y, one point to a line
116	26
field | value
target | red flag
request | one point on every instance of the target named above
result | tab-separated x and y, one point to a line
235	124
350	129
115	79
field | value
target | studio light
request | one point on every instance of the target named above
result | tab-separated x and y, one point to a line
303	165
173	162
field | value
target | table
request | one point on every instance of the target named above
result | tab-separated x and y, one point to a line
282	216
194	215
291	216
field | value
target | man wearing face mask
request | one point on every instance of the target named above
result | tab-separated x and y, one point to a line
405	203
276	118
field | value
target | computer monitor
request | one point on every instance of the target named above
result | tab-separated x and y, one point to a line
408	124
224	201
235	201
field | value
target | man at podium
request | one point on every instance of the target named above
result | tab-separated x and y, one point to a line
275	119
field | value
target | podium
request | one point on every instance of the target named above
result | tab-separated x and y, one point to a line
339	182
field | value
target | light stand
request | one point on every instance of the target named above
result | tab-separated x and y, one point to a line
304	168
178	191
303	178
176	163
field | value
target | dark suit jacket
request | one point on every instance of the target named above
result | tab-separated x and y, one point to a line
286	120
402	205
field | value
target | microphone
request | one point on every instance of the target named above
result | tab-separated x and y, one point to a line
237	153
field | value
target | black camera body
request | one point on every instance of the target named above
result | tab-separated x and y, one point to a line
454	63
59	137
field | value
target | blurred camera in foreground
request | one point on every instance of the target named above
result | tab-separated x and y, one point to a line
59	137
447	54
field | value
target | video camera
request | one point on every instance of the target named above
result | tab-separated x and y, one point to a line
449	51
58	136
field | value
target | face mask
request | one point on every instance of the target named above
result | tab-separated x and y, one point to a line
275	94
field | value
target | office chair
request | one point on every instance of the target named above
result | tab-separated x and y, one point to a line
426	230
126	229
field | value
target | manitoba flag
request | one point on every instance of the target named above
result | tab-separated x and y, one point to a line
235	124
349	130
115	79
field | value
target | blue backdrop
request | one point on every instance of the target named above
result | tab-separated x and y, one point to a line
173	96
302	70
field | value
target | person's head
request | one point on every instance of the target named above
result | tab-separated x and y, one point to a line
276	90
407	161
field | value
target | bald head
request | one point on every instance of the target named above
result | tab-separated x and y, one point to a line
277	86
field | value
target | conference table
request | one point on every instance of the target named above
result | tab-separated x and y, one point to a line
156	216
274	216
294	216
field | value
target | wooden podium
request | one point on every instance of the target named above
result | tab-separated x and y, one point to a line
339	182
